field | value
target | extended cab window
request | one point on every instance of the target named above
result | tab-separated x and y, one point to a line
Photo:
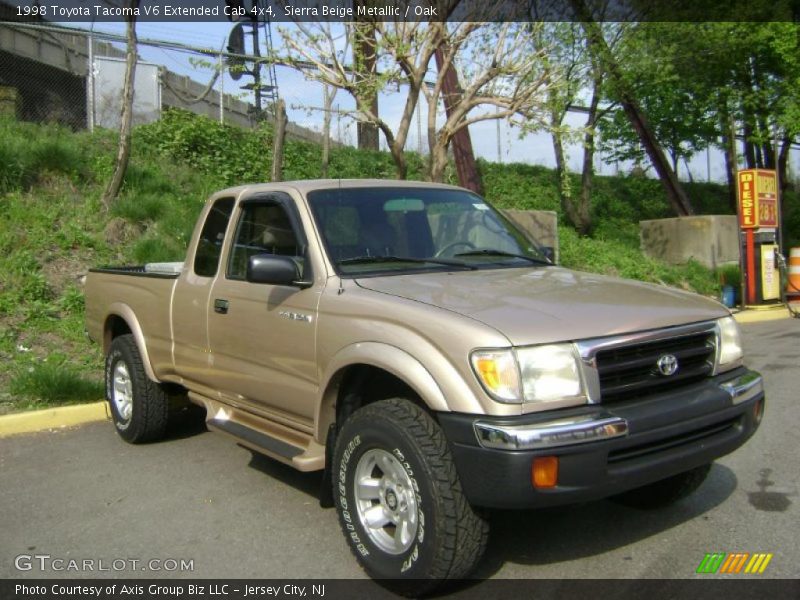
263	228
209	247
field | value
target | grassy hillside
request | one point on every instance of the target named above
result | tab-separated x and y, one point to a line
54	227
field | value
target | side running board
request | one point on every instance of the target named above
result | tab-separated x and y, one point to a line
274	439
256	438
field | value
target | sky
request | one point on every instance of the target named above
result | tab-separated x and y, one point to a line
503	143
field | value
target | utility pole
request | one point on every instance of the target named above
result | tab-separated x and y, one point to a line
221	68
90	83
280	137
256	70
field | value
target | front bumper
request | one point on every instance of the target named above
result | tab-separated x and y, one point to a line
603	449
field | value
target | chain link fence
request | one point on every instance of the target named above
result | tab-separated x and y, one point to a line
45	77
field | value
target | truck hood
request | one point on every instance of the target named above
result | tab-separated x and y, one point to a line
550	304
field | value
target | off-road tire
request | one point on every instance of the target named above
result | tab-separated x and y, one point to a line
451	537
665	492
150	402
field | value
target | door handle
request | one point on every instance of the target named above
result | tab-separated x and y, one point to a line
221	306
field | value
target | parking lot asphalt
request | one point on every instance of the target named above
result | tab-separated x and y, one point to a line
82	493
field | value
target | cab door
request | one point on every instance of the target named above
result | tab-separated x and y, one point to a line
262	337
190	348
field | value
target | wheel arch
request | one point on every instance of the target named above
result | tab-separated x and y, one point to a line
364	367
121	320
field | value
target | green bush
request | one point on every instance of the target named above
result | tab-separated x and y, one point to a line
729	275
72	300
142	208
54	383
28	153
616	258
157	249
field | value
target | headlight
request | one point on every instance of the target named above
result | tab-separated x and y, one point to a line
497	371
536	374
729	354
550	373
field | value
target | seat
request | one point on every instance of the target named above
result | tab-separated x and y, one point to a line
379	240
278	240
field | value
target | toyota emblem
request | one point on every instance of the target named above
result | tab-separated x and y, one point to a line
667	364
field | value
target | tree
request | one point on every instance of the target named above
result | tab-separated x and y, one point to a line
626	96
126	116
726	81
493	60
571	71
680	125
502	77
365	63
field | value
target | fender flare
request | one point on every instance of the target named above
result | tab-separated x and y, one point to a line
125	312
391	359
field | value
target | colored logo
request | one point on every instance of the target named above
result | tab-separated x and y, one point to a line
734	563
667	364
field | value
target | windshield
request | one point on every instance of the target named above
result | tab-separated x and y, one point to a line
391	230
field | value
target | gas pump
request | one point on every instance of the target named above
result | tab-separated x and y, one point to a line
759	211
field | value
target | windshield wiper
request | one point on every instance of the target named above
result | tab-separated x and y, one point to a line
362	260
494	252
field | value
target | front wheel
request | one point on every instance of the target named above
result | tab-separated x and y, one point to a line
665	492
399	499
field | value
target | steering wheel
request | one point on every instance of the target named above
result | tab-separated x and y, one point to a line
443	251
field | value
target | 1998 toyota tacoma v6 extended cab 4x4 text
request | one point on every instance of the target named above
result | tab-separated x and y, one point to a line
408	340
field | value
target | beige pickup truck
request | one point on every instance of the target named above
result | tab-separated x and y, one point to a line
408	341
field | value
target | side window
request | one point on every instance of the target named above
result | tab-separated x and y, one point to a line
263	229
209	247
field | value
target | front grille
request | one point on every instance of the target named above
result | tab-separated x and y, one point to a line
631	370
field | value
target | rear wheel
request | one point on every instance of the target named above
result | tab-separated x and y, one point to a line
665	492
399	499
139	406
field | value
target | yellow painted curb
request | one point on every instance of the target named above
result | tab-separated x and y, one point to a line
758	315
52	418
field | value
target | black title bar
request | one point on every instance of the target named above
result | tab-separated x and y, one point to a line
708	588
340	11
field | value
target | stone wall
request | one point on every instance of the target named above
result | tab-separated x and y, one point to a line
540	225
711	240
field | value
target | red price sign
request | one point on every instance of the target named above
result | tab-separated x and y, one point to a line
758	199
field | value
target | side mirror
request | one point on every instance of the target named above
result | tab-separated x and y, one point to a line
274	270
549	253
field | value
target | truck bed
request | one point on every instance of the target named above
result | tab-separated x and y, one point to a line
142	296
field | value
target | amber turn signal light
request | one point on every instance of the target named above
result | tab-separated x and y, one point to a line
544	472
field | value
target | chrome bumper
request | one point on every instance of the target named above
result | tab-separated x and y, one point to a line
588	428
744	388
551	434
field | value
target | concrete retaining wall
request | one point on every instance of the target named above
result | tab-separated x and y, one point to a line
541	225
711	240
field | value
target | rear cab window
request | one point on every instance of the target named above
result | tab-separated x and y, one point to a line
209	246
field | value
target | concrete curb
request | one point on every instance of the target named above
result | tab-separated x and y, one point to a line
759	315
52	418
